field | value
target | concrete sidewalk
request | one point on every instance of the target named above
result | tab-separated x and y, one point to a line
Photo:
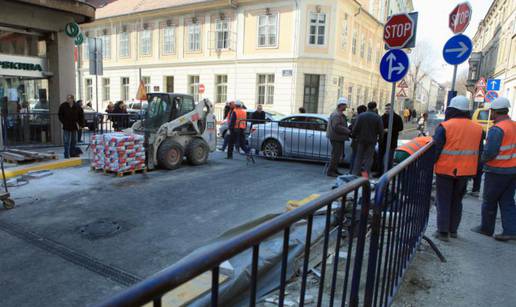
479	270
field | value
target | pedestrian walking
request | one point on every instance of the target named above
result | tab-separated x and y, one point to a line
499	156
236	128
406	115
82	120
422	124
397	127
458	144
368	130
413	114
337	132
354	142
69	117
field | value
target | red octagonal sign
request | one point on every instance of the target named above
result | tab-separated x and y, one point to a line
460	17
398	31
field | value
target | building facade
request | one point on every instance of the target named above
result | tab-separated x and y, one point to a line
282	54
494	54
36	62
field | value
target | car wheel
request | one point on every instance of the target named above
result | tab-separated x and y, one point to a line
271	149
197	152
170	154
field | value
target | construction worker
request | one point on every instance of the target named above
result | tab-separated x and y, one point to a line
458	144
499	156
236	128
408	149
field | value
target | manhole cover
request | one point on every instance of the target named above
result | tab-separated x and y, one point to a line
100	229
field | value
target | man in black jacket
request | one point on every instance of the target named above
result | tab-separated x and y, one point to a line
367	130
70	118
397	127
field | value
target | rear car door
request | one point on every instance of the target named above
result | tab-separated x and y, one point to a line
289	132
316	142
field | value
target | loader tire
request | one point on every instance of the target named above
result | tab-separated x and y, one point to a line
197	152
170	155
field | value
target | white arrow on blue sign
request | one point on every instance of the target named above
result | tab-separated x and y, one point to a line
457	49
394	65
493	84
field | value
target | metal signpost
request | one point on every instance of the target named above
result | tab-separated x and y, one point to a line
96	67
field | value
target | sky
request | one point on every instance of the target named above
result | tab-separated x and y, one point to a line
433	29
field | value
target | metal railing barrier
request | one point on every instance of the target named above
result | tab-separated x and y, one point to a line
400	216
333	204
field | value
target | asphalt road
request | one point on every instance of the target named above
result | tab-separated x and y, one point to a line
50	257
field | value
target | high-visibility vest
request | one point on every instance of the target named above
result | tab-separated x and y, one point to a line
415	144
459	156
241	118
506	157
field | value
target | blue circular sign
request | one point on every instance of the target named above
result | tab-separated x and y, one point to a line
457	49
491	96
394	65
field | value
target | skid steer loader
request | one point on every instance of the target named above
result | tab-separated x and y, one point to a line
176	127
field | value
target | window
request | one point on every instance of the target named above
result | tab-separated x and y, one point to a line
147	83
106	90
268	30
366	94
222	34
266	89
359	95
340	87
375	95
316	34
106	46
354	43
89	89
169	40
124	91
194	37
350	94
345	30
124	44
221	87
193	87
146	42
362	46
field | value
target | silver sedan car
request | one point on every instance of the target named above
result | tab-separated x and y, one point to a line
299	136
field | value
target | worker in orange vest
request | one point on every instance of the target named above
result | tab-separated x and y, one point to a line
499	156
408	149
236	128
458	145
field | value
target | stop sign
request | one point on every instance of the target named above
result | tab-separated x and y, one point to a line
201	88
398	31
460	17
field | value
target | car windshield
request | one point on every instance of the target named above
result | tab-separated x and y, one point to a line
483	115
158	112
275	115
139	106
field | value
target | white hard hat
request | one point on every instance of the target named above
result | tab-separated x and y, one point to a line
500	103
341	101
459	103
238	103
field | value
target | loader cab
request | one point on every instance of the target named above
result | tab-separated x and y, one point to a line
165	107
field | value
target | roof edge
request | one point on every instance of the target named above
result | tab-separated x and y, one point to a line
75	7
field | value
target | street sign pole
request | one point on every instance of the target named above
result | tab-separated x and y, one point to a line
386	158
454	78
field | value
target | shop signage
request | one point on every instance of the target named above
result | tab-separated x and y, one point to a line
21	66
